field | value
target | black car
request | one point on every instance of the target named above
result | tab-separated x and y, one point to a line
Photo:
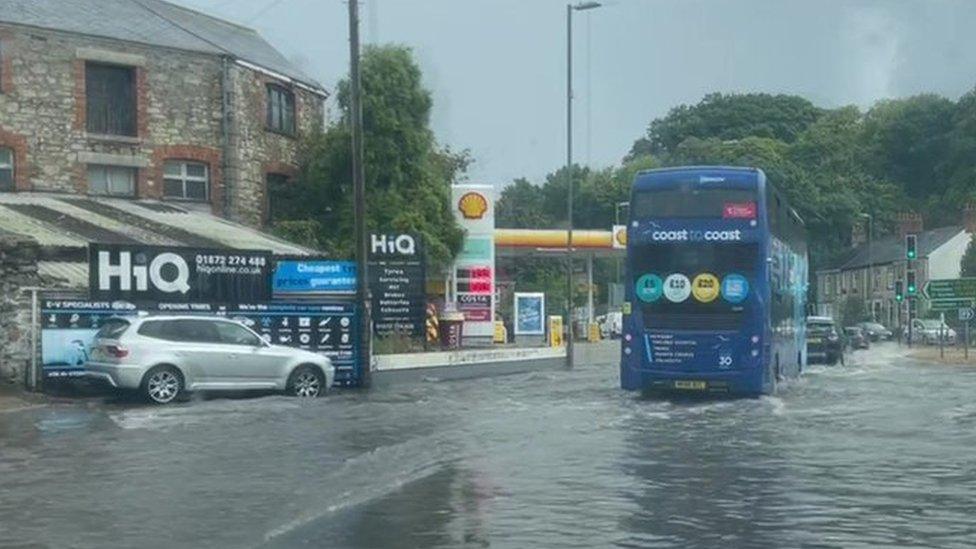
875	331
824	345
856	337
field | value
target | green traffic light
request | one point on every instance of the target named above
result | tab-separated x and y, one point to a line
911	289
911	255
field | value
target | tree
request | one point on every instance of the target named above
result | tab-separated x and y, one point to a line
408	176
967	265
729	117
906	141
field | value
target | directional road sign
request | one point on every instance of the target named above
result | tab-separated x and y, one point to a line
966	314
949	304
950	288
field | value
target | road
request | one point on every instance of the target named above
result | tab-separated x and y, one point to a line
877	453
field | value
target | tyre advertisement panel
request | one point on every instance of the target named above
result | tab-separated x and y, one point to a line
398	284
68	328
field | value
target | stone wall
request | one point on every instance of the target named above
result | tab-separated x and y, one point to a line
259	151
179	116
18	269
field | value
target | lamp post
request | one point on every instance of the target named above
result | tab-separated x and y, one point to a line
870	285
570	8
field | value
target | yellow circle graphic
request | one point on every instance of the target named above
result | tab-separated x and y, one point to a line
705	287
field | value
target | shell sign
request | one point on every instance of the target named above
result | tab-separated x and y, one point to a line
619	236
473	205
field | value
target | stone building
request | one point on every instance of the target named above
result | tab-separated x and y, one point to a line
869	272
144	99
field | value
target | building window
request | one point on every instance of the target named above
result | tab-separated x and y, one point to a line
281	110
281	197
6	169
112	180
110	99
186	180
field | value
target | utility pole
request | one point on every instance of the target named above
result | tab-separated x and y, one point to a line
359	193
570	8
569	185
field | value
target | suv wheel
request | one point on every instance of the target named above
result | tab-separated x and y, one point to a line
162	384
306	381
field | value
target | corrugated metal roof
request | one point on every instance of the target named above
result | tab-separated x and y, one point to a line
153	22
69	273
146	225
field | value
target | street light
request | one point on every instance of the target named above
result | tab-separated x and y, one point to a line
870	261
570	8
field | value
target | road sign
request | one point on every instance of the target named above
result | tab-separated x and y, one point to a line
950	288
966	314
949	304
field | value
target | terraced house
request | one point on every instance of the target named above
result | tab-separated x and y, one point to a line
146	99
134	122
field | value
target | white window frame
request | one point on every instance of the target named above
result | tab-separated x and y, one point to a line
184	177
108	186
9	164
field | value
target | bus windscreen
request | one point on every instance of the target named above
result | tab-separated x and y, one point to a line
701	286
690	202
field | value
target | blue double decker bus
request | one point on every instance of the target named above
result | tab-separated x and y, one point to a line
716	283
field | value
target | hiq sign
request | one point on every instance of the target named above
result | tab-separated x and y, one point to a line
395	244
171	274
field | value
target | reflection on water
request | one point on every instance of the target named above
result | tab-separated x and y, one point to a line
877	453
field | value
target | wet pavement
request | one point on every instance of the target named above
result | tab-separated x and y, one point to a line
881	452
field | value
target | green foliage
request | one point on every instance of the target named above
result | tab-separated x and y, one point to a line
968	263
912	154
728	117
408	177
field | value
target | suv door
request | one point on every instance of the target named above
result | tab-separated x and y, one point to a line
196	343
251	358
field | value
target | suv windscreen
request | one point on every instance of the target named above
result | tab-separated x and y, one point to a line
820	328
233	334
113	328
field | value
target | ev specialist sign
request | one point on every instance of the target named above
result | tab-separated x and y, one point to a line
171	274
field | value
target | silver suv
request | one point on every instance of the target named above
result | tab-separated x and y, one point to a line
165	356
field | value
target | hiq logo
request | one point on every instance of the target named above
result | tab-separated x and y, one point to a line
684	235
403	244
144	274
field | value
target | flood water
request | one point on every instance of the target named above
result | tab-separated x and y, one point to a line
879	453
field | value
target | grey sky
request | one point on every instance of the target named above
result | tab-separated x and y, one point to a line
497	67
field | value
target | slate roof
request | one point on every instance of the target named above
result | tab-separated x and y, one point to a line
64	224
892	248
153	22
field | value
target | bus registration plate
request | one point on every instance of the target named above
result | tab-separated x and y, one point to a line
690	385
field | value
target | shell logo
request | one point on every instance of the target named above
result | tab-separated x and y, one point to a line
473	205
620	236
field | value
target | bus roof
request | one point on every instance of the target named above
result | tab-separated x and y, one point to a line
678	169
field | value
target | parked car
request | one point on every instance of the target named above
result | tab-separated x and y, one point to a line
929	331
875	331
611	324
164	357
824	344
856	337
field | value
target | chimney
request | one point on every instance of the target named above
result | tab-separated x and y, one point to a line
909	223
969	218
859	233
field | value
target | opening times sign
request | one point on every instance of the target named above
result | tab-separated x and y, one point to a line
398	284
